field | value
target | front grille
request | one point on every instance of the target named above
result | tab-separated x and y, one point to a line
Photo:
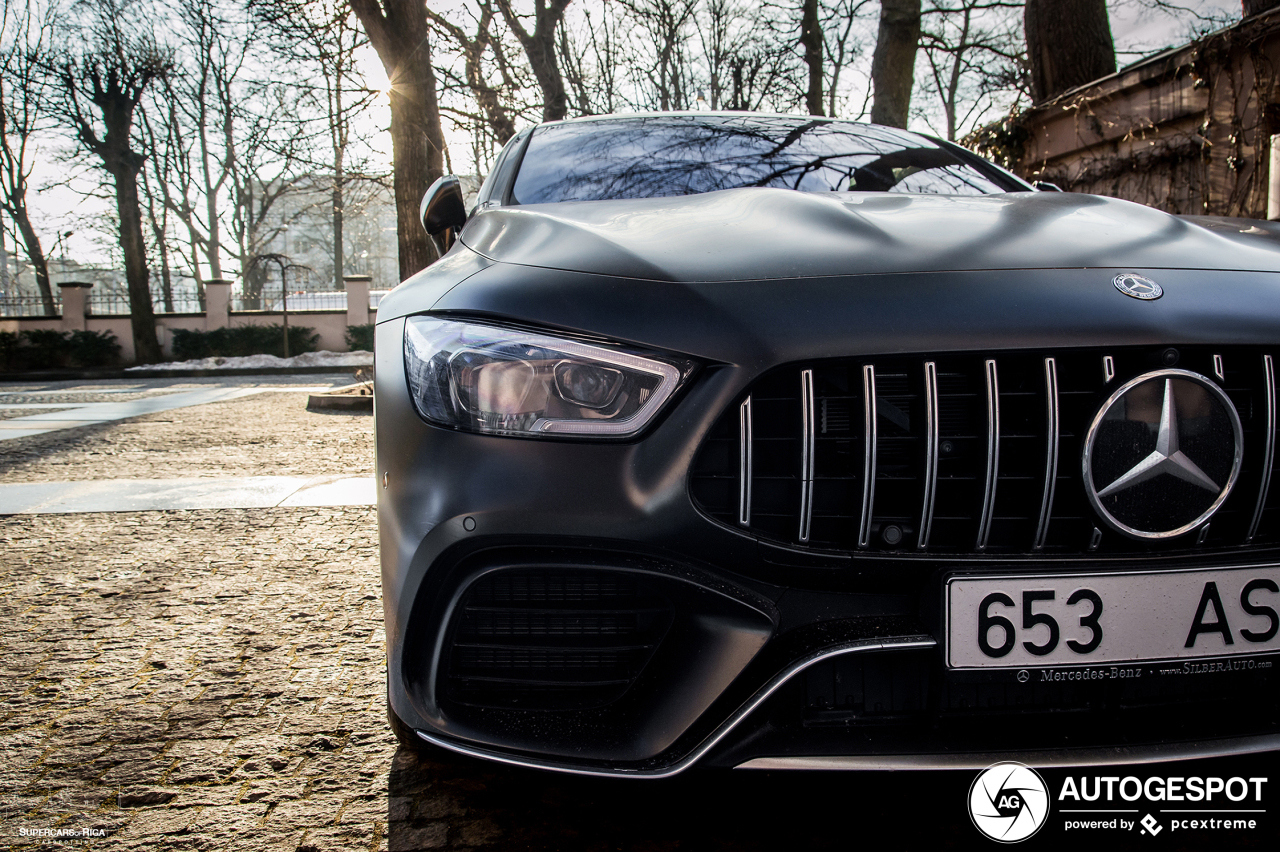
962	453
553	639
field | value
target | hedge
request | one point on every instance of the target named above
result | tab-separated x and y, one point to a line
46	349
242	340
360	337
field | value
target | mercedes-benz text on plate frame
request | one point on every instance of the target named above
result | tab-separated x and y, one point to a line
1065	619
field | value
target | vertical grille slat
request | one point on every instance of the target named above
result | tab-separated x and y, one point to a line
744	463
931	421
807	444
993	454
968	454
1269	413
869	454
1051	451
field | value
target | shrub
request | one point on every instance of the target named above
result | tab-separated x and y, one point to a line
47	349
360	337
93	348
8	350
242	340
43	349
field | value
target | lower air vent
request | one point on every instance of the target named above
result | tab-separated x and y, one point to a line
553	639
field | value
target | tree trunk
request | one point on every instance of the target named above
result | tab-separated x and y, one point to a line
142	316
894	65
35	254
338	210
399	35
1068	44
540	48
811	41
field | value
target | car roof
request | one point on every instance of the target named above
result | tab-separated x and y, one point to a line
691	113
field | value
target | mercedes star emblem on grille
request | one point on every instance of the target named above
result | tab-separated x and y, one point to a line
1162	454
1137	286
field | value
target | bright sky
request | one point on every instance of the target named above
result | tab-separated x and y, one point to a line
60	205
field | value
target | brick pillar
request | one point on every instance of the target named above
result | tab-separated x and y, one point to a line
357	298
75	298
217	303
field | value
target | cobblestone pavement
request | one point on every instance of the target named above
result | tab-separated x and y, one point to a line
214	680
263	434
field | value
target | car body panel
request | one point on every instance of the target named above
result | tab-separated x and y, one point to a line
761	233
746	282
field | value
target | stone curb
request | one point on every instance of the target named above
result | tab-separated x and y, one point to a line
62	375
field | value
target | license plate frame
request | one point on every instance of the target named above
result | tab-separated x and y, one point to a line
1133	630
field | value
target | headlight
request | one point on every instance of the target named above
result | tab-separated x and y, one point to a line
509	382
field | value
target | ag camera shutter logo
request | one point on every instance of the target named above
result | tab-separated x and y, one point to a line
1008	802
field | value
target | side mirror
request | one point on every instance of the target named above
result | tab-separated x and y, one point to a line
443	211
1045	186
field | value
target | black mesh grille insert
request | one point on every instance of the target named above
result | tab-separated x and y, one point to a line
553	639
953	453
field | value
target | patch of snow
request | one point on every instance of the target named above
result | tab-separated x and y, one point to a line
253	362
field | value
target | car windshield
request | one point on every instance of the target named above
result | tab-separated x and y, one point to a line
654	156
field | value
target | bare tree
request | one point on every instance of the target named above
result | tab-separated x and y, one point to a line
25	43
667	25
103	79
973	49
479	51
540	48
399	32
321	39
1068	45
593	60
264	172
842	46
893	66
813	42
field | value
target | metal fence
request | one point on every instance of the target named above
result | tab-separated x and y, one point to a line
296	299
23	305
106	303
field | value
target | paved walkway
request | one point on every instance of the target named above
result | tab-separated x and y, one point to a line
144	495
70	415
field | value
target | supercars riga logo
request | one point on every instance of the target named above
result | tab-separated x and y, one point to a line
1008	802
1137	286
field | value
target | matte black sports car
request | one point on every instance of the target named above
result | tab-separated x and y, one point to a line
769	441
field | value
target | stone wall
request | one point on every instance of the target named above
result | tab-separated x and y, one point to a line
331	325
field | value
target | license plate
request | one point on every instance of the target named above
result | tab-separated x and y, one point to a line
1065	619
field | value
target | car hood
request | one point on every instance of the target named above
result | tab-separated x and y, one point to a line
756	233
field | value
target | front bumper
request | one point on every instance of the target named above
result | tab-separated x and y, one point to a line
756	620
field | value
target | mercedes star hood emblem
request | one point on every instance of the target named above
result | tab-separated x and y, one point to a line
1137	286
1162	454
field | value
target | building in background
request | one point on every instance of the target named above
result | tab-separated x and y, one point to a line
1190	130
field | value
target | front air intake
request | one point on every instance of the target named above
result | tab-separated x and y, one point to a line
553	639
